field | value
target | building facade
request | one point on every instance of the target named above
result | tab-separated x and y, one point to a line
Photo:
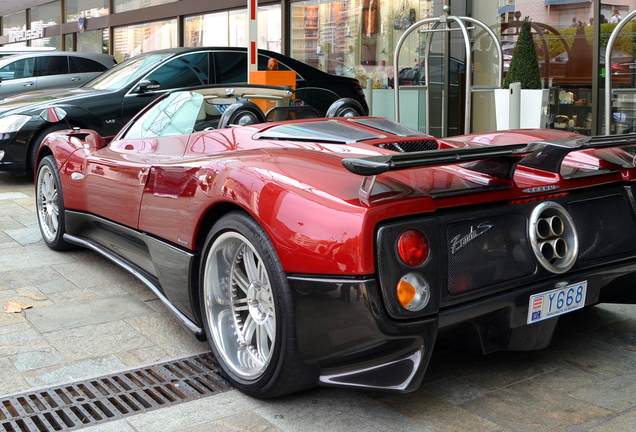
358	38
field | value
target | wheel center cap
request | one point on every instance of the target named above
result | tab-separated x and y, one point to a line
257	302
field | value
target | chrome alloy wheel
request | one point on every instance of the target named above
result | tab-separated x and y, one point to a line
47	203
240	305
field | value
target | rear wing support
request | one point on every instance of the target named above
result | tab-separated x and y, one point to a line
496	161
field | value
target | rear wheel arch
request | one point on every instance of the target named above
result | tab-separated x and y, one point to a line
212	215
206	223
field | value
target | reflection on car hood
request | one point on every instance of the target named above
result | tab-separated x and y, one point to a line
27	102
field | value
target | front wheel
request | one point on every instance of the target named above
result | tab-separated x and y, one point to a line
49	204
247	310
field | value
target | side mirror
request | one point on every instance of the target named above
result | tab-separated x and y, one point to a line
53	114
147	84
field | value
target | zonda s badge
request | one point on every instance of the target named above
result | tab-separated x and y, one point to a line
459	241
541	189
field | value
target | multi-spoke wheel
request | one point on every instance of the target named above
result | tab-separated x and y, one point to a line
247	309
50	205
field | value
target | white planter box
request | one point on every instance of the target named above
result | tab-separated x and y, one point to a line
534	109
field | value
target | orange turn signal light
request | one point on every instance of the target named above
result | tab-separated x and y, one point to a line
412	292
405	293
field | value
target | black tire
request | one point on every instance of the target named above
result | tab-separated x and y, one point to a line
345	107
247	310
49	204
241	114
36	143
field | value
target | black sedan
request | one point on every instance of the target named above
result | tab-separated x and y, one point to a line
108	102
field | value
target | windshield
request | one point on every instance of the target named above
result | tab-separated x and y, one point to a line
126	72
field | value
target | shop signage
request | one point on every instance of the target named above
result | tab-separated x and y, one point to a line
24	35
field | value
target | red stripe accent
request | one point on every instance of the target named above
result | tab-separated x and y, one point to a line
253	16
253	59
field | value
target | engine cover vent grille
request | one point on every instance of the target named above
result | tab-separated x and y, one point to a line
410	146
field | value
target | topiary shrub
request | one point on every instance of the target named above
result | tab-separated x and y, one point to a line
524	67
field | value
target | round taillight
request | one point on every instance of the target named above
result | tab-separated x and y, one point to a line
412	248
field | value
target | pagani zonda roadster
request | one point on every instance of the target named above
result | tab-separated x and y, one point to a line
336	250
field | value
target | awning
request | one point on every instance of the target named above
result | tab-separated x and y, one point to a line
564	2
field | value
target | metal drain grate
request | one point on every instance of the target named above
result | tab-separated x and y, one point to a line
98	400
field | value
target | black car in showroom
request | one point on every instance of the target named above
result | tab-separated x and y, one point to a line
109	101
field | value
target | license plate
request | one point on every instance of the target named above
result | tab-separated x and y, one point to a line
556	302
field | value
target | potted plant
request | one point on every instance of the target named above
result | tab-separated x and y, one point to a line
524	69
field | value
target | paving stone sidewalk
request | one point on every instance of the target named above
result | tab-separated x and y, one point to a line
89	318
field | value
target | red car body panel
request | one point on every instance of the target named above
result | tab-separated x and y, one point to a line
165	190
335	207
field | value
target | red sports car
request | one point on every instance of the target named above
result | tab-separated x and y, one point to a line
336	250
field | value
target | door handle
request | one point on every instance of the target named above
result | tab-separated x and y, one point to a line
28	84
77	78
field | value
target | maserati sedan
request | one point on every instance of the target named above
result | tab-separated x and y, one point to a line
109	101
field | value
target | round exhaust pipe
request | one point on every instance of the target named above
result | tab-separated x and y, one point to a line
553	237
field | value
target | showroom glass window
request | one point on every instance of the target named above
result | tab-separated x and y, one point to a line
128	5
14	22
52	41
47	15
563	38
75	9
230	27
68	42
132	40
44	16
353	38
196	34
95	41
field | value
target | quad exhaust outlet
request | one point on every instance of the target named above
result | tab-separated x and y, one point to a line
553	237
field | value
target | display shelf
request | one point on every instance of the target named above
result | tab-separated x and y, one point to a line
571	108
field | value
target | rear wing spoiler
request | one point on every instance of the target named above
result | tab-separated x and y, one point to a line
541	155
497	161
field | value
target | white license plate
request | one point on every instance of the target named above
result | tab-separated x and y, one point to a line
556	302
